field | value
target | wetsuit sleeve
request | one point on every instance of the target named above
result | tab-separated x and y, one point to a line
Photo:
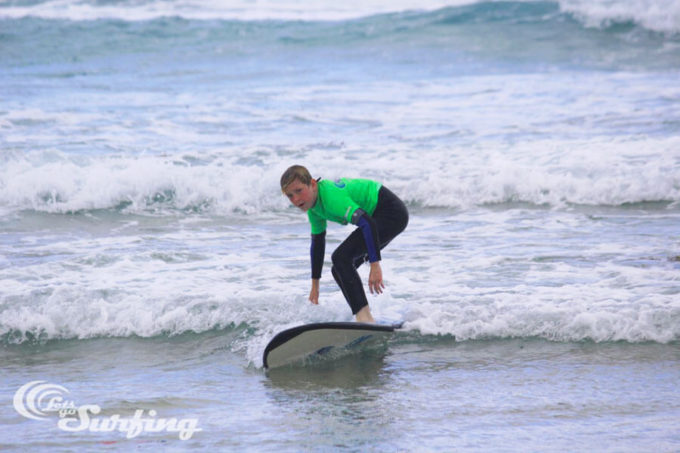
370	232
317	252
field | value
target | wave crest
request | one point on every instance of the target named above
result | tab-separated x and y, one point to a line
657	15
538	173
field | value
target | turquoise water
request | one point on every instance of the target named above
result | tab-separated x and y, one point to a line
427	394
147	256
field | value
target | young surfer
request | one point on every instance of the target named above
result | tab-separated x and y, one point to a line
378	213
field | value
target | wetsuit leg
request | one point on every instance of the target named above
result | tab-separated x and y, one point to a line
391	218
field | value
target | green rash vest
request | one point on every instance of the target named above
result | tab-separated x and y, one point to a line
337	200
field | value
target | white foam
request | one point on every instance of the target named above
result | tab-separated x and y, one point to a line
611	172
558	301
658	15
60	183
578	139
474	275
162	284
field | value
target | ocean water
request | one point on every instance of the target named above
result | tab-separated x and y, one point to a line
147	255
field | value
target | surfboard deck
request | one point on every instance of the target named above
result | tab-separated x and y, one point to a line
321	339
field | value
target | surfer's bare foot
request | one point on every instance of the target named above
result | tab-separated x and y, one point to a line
364	315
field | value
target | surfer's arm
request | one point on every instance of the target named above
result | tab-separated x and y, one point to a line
369	230
317	251
314	292
375	279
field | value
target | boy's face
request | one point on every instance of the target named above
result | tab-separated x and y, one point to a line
302	195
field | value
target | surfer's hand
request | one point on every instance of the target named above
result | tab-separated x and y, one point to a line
375	279
314	293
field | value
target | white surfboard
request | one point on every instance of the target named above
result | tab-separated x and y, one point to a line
321	339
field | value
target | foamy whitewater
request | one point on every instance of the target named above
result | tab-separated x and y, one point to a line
147	255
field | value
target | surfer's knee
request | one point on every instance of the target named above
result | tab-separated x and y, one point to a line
336	276
339	259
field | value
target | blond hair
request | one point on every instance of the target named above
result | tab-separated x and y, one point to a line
295	173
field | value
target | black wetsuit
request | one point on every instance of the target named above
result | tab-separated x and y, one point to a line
374	232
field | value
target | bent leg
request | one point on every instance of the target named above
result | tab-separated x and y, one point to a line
391	217
346	258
